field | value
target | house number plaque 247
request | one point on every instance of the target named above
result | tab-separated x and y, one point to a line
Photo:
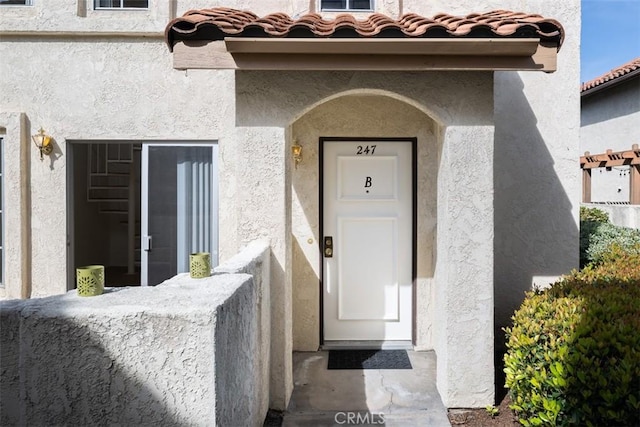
365	149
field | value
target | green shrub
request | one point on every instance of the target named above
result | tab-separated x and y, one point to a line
593	215
587	229
590	220
603	235
573	352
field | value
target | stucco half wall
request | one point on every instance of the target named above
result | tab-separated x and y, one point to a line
451	114
185	352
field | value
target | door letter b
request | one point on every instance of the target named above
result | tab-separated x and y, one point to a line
367	182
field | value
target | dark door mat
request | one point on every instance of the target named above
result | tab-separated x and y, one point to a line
368	359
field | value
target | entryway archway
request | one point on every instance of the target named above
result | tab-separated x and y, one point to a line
365	118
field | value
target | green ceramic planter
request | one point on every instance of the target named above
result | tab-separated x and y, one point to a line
200	265
90	280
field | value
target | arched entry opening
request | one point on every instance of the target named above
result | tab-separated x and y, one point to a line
365	119
450	115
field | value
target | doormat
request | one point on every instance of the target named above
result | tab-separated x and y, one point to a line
368	359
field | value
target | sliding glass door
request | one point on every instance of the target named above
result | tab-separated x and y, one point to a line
179	208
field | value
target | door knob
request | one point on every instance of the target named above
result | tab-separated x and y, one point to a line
328	246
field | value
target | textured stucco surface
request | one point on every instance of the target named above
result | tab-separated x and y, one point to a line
14	276
464	268
262	202
623	215
536	158
537	173
610	119
255	261
187	352
458	108
125	88
98	85
357	116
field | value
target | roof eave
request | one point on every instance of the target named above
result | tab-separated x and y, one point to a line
610	83
481	54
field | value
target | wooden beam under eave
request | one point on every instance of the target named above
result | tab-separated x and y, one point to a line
214	55
384	46
202	55
383	62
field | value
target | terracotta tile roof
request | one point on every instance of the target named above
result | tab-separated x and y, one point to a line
616	73
218	23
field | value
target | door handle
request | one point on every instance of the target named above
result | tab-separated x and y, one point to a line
146	243
328	247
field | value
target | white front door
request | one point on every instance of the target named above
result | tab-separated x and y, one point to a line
179	207
367	244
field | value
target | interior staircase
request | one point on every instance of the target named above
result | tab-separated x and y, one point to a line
111	183
110	173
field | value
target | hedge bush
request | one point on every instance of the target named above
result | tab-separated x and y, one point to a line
597	235
590	220
573	352
603	235
593	215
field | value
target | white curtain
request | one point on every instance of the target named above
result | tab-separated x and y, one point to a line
194	210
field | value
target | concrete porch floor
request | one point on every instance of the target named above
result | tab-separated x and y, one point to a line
390	397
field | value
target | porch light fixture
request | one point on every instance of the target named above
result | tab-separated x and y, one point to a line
43	142
296	152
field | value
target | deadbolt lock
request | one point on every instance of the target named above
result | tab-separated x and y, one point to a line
328	246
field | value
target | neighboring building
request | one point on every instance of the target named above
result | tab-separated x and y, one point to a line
438	179
610	120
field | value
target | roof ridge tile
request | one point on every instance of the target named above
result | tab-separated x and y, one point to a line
219	22
612	74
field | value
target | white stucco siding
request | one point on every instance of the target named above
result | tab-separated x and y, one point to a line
537	173
464	298
461	101
186	352
358	116
15	229
263	205
69	15
278	98
610	119
507	199
100	90
537	176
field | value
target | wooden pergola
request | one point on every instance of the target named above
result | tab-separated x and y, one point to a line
610	159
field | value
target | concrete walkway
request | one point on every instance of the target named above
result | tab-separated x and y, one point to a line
393	397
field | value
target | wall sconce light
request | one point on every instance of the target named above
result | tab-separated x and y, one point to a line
296	152
43	142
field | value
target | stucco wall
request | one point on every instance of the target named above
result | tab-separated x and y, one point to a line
357	116
461	105
610	120
17	220
465	267
98	85
537	175
124	88
623	215
537	119
536	160
187	352
255	260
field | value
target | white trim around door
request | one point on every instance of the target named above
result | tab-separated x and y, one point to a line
368	245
